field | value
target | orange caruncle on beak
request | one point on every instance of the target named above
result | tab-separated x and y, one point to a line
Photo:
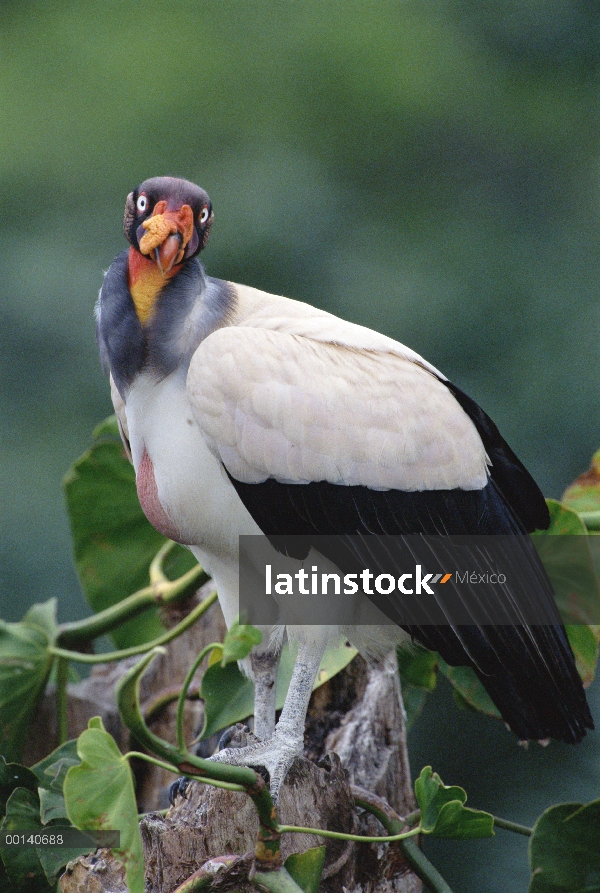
167	235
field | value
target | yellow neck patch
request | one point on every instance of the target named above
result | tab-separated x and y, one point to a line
145	284
145	293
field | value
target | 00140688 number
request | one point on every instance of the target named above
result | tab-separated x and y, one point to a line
28	839
69	837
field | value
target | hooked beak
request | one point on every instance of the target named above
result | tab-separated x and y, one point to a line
167	234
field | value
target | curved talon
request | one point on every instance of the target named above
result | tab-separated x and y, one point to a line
178	788
237	736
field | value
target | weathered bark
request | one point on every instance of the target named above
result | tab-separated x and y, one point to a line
358	715
371	737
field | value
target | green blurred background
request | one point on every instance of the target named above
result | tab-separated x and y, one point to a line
428	168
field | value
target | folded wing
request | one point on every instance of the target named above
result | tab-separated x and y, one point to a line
324	438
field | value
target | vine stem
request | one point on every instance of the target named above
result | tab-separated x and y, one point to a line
184	690
411	851
424	869
226	785
512	826
378	807
202	879
165	697
155	571
279	881
340	835
161	591
62	668
267	850
138	649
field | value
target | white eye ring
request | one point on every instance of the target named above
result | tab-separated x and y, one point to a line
204	215
142	204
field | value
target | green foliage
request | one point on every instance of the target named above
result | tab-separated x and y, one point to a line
25	665
564	850
99	794
418	672
13	775
228	698
566	553
239	641
418	667
583	495
443	813
584	641
571	559
306	868
468	690
113	541
32	799
22	864
51	773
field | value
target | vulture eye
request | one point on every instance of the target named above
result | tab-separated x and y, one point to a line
142	204
203	215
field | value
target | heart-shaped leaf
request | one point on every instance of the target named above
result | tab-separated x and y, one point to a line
228	698
584	642
414	701
100	795
51	771
566	553
46	805
418	676
564	850
468	690
443	813
418	666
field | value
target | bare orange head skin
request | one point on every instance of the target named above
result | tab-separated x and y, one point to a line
167	222
168	233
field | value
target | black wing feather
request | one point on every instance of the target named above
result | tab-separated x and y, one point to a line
528	671
508	473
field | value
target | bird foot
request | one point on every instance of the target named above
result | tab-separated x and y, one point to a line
235	736
276	755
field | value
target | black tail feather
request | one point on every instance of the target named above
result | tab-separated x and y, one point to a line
529	673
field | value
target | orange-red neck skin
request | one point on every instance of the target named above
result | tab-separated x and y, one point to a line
146	281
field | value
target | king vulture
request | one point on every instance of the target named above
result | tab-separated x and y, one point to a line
245	412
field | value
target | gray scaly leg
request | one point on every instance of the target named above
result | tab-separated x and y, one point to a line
279	751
